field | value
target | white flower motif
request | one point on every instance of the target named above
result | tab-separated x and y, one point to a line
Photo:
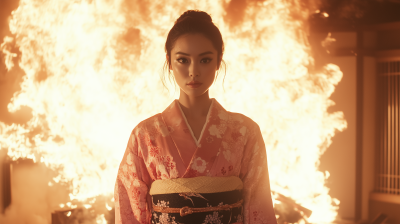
256	149
176	121
163	203
223	115
125	168
129	159
129	168
227	155
243	130
174	172
225	145
162	168
136	183
250	173
162	128
213	219
239	218
126	181
214	131
199	165
165	219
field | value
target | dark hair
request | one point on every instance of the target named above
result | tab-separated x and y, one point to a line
194	21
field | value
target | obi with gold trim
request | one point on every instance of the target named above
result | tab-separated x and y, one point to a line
197	200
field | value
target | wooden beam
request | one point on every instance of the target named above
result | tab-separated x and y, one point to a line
389	198
359	124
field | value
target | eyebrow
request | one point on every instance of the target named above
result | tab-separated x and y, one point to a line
204	53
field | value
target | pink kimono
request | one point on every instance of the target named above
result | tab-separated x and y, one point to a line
164	147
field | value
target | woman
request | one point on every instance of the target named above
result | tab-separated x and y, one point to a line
195	162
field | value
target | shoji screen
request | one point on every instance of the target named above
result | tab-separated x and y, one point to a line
388	176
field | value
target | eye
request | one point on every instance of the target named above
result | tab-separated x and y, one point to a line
206	60
182	60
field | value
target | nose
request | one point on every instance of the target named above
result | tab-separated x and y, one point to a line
194	69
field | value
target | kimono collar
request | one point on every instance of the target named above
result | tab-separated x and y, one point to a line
182	136
177	123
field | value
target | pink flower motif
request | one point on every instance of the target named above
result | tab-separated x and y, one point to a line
255	214
171	166
230	168
154	151
209	139
135	194
223	171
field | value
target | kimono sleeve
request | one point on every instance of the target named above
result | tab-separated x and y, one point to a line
258	207
131	187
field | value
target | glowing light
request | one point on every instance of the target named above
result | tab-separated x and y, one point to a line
87	206
6	49
69	213
100	219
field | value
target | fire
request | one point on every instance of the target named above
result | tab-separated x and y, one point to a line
92	73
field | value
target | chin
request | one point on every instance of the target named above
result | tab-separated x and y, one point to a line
195	92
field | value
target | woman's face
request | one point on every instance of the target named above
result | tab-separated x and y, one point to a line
194	62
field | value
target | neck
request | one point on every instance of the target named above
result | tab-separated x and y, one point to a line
195	107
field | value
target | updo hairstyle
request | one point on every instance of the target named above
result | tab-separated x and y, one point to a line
192	22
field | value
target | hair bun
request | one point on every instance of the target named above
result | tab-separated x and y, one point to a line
194	14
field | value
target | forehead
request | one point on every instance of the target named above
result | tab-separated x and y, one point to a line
193	44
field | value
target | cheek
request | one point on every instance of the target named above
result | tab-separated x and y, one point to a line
180	70
210	71
180	74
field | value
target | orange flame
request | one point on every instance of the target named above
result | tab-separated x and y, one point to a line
92	74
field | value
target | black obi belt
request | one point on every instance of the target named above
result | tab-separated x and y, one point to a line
198	200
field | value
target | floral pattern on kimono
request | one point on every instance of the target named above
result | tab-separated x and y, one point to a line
164	147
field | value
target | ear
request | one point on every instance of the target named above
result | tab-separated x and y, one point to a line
169	64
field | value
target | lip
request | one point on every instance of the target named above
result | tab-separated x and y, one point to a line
194	84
